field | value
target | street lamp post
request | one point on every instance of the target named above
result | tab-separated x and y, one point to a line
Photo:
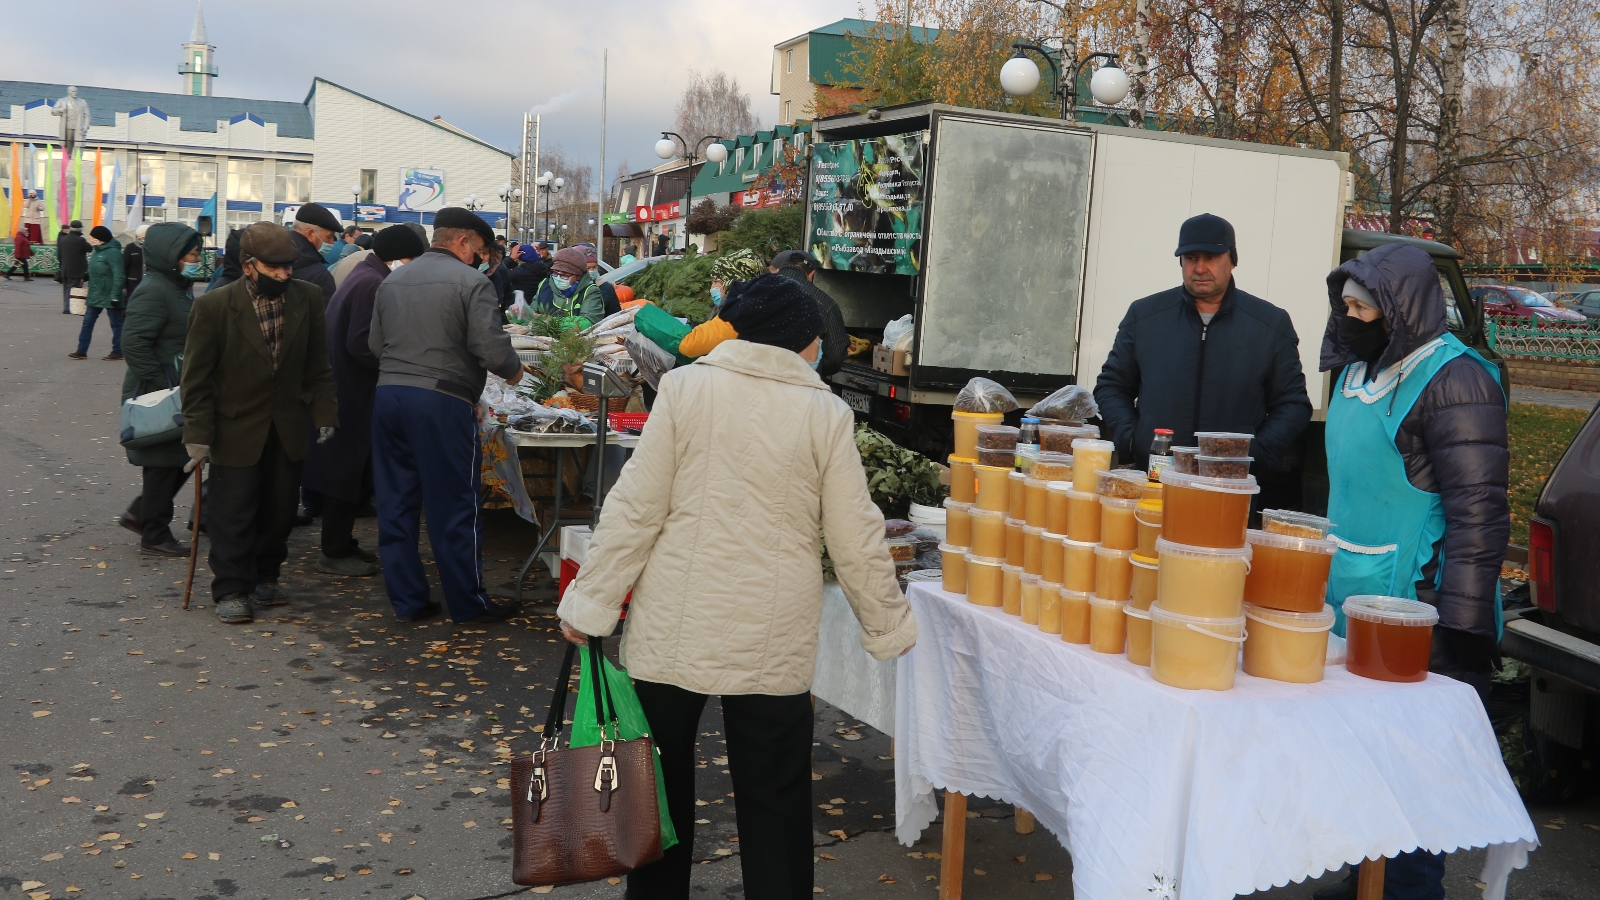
668	145
549	185
355	197
507	194
1020	76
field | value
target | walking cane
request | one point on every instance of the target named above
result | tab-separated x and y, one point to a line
194	537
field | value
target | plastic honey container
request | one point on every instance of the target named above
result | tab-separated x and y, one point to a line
1388	638
1030	599
983	580
966	430
1083	516
1295	524
1052	467
994	488
1014	541
1108	627
1146	581
1053	559
1036	508
1289	573
954	568
1017	499
1147	517
1089	455
963	481
997	446
957	522
1287	646
1032	550
1194	652
1011	589
988	533
1201	581
1206	512
1118	527
1074	616
1049	607
1058	510
1113	573
1079	561
1138	635
1126	484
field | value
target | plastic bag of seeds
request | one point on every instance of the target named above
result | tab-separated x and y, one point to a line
984	396
1071	404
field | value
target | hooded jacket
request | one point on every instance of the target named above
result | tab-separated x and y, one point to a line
156	327
1453	440
106	276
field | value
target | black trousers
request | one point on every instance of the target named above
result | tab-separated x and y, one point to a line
19	262
152	509
769	757
249	514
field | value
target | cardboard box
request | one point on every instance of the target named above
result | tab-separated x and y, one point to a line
891	362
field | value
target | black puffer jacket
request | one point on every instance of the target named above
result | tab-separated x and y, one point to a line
835	340
527	277
1453	440
311	267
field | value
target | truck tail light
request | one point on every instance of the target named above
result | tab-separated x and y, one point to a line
900	412
1541	563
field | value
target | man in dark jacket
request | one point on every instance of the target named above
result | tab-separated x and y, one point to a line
132	265
802	267
229	271
530	272
1417	476
341	469
314	227
255	379
1205	357
72	252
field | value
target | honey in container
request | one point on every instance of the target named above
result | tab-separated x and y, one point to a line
1194	652
1108	627
1113	573
1138	635
1018	500
1286	646
1054	556
1205	512
1295	524
1078	558
1083	516
1030	599
1146	581
984	580
1288	573
1124	484
1074	616
1388	638
963	481
1037	506
1147	516
988	533
1049	607
1032	550
1118	528
1058	508
1089	456
1011	589
966	430
1201	581
1014	541
1052	467
953	574
957	522
994	488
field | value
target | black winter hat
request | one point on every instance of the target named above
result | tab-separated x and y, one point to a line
775	310
318	215
101	234
456	217
397	242
1205	233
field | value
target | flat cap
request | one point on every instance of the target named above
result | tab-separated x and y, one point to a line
456	217
268	243
397	242
318	215
798	258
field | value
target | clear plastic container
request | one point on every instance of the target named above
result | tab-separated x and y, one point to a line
1146	581
966	430
998	437
1113	573
1018	500
901	550
1388	638
1295	524
954	568
1201	581
1053	562
994	488
1074	616
1185	461
963	481
1053	466
1287	646
984	580
1194	652
1206	512
1089	455
1014	541
1057	438
1079	559
1108	627
1030	599
1124	483
1004	459
1138	635
1223	466
1011	589
1083	516
1025	457
1118	529
957	522
1058	510
1223	443
1289	573
1148	518
1032	550
1037	509
988	533
1049	607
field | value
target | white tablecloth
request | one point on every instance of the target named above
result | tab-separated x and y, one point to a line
847	676
1198	795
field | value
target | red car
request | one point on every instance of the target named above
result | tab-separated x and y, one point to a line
1510	300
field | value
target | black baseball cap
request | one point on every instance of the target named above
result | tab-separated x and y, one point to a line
795	258
1205	233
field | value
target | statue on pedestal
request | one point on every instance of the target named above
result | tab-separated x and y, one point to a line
74	113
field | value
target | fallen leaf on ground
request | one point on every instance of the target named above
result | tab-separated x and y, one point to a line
839	833
887	879
40	713
1043	876
32	885
154	815
469	824
51	857
319	860
213	856
191	856
1020	859
827	856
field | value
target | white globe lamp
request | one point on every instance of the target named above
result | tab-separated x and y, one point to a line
1109	85
1019	77
666	149
717	153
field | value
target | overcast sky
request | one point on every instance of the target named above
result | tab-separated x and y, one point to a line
478	64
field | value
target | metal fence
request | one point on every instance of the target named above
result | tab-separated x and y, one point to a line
1543	339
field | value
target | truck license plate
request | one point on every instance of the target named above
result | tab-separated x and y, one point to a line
861	403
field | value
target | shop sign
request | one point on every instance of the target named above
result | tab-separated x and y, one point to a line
641	213
615	218
664	211
371	213
866	204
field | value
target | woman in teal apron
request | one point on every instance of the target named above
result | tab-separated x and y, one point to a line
1417	472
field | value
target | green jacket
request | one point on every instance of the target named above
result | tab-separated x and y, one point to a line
154	330
105	276
232	395
663	328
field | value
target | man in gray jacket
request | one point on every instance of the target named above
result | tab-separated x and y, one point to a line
436	330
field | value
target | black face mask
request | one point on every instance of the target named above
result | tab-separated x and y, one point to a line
1367	340
270	287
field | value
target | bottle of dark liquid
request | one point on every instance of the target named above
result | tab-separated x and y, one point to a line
1160	453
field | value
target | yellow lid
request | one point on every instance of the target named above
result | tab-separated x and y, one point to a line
1150	504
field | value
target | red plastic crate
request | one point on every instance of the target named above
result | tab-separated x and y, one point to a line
620	421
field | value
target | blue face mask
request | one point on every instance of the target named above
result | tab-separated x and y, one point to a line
483	267
818	361
562	283
191	270
716	296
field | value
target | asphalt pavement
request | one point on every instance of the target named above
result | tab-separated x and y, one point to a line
328	751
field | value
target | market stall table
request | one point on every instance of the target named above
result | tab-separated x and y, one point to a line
1160	793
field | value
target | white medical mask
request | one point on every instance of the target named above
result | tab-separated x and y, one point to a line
716	296
818	361
561	282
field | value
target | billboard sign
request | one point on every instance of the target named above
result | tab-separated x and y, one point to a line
421	190
866	204
366	213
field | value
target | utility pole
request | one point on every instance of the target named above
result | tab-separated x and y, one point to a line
1141	61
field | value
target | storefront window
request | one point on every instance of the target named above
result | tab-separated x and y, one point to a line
244	179
197	176
156	167
369	186
292	183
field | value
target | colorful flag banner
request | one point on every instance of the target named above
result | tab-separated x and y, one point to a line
111	191
51	222
77	183
135	216
98	200
62	207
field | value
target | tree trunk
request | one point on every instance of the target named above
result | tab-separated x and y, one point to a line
1069	55
1449	156
1141	62
1336	75
1230	53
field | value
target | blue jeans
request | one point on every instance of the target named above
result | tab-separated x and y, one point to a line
87	331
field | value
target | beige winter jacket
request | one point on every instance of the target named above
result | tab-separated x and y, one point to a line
714	523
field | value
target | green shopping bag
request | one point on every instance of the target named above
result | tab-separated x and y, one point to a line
630	718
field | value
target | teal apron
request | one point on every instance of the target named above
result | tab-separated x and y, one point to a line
1385	528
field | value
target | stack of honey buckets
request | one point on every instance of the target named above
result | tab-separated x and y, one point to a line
1165	571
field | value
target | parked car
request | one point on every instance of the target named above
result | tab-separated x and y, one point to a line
1510	300
1584	302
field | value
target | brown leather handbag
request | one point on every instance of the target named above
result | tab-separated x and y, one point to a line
583	813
